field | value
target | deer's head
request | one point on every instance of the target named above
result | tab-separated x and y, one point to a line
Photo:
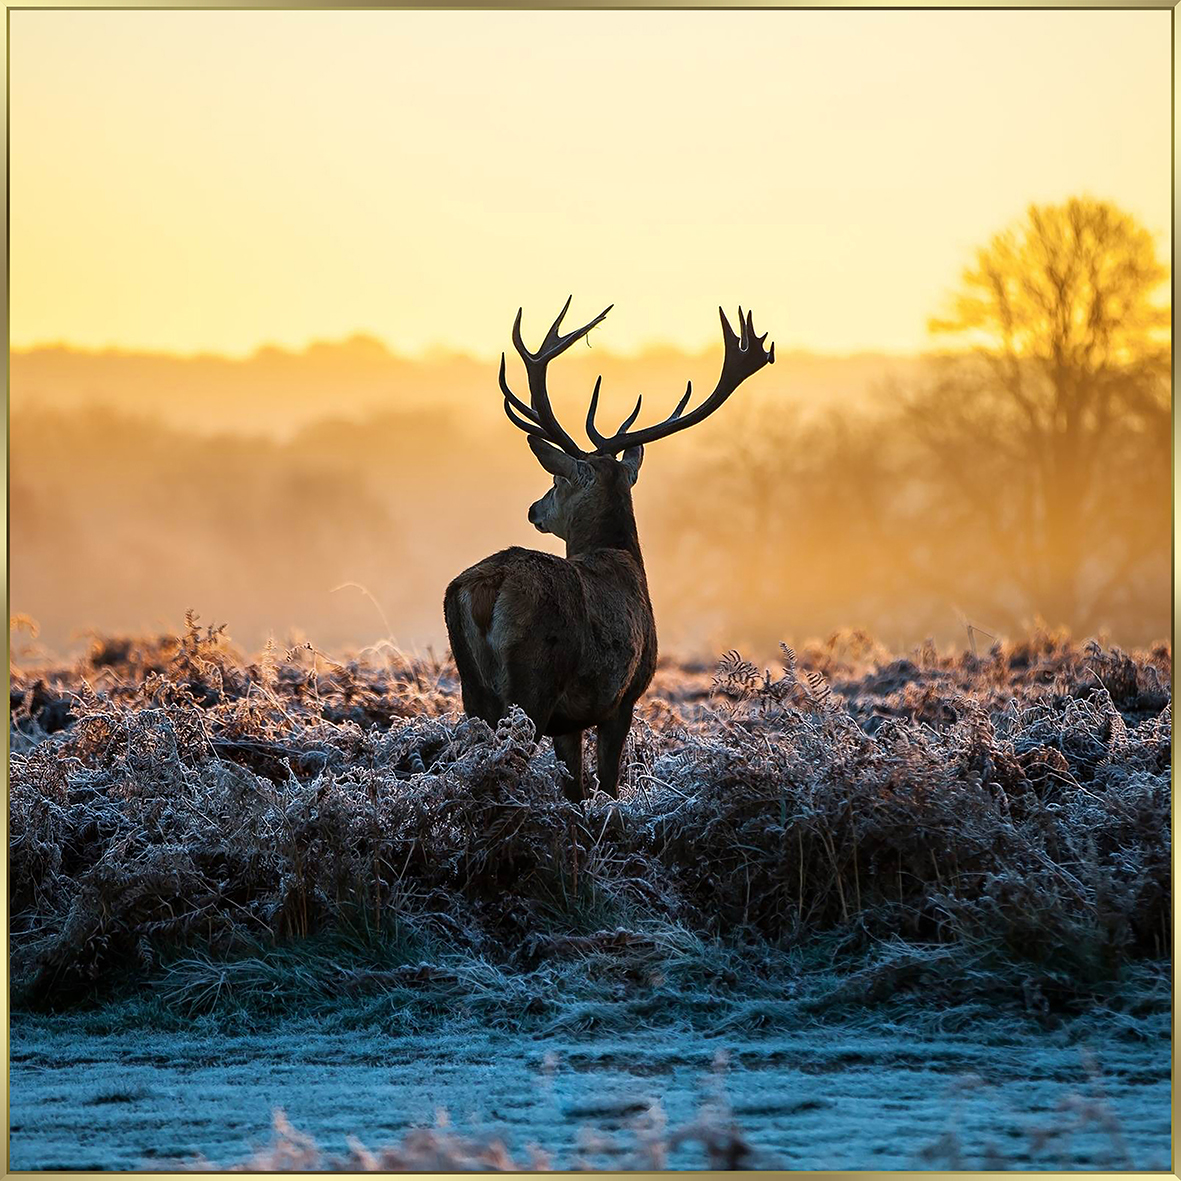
591	486
584	488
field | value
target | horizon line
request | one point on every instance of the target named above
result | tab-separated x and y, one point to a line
427	354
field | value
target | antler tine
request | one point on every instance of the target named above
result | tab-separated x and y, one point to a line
591	430
682	403
527	425
539	412
728	333
509	396
632	416
600	441
743	356
552	336
555	342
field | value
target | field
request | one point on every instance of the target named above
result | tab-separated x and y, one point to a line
865	866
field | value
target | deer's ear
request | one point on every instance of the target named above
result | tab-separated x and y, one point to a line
553	459
631	460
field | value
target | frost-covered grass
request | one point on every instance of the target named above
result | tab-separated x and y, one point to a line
868	1092
268	835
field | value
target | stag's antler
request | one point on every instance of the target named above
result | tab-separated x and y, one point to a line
744	356
539	418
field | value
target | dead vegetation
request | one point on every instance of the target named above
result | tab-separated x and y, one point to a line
640	1136
183	815
645	1143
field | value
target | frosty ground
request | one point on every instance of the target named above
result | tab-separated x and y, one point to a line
869	1094
853	909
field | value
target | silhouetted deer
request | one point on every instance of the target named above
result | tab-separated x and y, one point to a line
572	640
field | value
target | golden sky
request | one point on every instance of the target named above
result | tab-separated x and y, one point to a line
213	181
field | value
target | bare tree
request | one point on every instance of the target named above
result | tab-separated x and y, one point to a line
1027	474
1048	438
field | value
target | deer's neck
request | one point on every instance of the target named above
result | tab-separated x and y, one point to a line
612	528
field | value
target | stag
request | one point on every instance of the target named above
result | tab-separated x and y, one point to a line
572	640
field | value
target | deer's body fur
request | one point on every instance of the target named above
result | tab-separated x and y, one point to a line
570	640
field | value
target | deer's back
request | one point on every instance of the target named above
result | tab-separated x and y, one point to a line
584	624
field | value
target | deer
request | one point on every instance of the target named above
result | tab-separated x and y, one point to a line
572	640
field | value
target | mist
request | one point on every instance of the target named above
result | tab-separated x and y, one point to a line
331	494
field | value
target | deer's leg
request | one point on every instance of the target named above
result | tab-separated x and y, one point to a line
568	748
479	701
611	736
525	690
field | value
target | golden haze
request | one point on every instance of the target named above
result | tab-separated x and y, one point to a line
187	185
959	493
